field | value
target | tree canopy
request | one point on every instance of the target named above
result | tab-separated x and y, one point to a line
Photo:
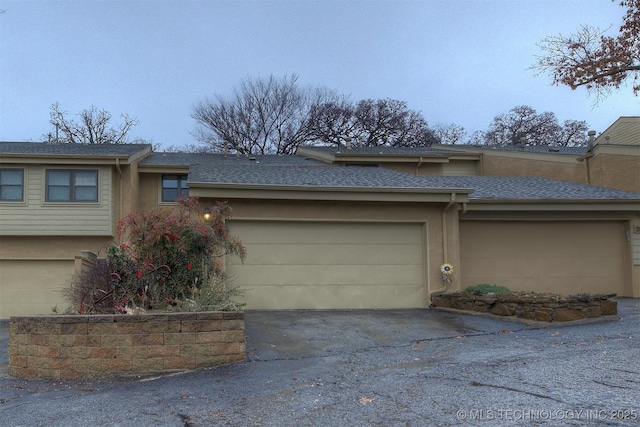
276	115
93	128
536	129
592	59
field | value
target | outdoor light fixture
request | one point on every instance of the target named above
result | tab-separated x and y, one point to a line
207	214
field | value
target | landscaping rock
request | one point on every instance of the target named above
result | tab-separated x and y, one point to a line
541	307
568	314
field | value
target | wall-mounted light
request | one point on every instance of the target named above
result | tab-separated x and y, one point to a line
207	214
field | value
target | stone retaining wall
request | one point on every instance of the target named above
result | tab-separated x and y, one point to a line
73	347
546	308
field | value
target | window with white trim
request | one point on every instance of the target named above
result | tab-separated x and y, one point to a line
72	185
11	185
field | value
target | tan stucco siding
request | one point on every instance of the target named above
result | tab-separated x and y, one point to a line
37	217
429	169
567	170
621	172
461	168
559	257
33	286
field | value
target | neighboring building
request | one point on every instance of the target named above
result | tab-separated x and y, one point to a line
326	228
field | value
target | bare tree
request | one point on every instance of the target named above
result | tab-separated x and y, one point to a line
333	122
591	59
370	123
276	116
451	134
263	117
537	129
389	122
93	127
573	134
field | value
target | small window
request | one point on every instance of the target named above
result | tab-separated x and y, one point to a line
72	186
11	185
173	187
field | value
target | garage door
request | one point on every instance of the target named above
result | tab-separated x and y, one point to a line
557	257
33	286
330	265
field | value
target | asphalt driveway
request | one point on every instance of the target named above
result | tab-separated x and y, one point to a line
369	368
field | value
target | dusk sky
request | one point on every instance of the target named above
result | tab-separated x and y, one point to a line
455	61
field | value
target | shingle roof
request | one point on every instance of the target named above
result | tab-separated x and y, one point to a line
529	188
312	175
43	148
298	171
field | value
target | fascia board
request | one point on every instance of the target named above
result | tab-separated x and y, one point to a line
314	154
235	191
74	159
391	158
63	160
554	205
144	168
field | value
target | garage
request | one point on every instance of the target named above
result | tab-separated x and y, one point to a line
331	264
566	257
33	286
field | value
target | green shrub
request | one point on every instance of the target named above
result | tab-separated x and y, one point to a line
485	288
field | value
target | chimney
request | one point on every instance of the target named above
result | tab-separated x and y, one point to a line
592	138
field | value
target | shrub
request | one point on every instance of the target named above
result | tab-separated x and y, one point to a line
485	288
171	259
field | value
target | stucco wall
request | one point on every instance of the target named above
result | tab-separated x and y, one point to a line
562	168
621	172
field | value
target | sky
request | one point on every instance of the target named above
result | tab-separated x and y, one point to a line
455	61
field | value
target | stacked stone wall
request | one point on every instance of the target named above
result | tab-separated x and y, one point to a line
73	347
546	308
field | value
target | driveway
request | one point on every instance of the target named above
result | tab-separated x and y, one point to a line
369	368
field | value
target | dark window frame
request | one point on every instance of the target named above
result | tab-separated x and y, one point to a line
21	186
181	189
72	186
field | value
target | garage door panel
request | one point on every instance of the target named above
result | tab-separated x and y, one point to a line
315	275
560	257
329	233
316	264
263	254
46	281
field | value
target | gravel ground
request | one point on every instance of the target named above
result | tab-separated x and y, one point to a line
369	368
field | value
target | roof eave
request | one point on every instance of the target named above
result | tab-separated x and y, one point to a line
632	205
303	192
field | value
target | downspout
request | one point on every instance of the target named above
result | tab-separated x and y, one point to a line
121	187
418	165
445	246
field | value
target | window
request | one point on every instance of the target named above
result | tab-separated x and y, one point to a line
174	186
72	186
11	185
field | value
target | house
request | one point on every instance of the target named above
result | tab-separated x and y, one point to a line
327	227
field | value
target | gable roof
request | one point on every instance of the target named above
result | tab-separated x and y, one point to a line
624	131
